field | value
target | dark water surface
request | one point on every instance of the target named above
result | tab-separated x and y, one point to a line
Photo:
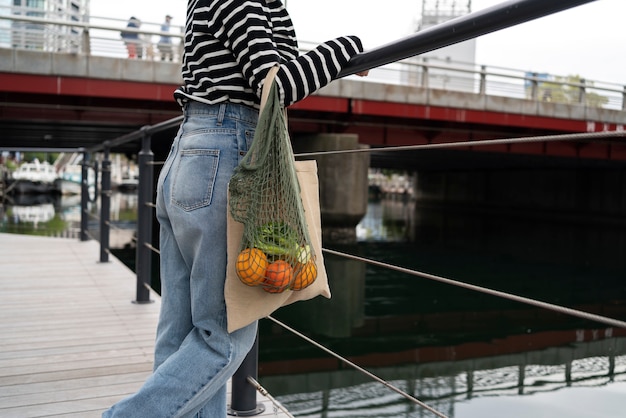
464	353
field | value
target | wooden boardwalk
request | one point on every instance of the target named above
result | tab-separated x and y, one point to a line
72	343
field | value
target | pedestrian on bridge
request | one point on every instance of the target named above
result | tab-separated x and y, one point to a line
230	46
165	42
132	40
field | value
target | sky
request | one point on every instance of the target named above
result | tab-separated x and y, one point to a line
587	40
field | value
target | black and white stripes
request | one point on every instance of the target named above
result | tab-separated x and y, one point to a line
231	44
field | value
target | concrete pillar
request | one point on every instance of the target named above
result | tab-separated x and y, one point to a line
343	183
339	316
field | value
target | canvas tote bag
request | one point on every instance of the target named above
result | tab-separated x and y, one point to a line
246	304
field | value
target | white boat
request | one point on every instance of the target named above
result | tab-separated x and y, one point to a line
34	177
71	179
34	214
128	184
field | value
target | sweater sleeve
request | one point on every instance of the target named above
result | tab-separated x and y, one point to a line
309	72
260	35
283	31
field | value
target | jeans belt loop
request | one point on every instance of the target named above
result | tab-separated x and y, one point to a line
221	113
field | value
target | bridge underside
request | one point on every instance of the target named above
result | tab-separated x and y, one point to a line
64	112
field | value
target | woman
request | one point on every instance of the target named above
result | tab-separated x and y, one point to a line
229	47
131	39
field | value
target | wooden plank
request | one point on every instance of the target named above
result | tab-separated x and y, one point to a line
72	342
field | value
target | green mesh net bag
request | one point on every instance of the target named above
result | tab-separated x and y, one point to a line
276	251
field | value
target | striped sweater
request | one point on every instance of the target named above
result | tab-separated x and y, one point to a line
231	44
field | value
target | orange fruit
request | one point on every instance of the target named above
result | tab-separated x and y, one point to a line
251	266
278	276
305	276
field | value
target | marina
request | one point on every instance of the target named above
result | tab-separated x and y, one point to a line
32	178
63	176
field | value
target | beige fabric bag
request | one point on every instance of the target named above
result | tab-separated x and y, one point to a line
246	304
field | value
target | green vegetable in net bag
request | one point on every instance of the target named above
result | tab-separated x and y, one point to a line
276	251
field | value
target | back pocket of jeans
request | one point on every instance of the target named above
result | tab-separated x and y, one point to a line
194	178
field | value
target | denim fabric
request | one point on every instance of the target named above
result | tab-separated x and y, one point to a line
194	354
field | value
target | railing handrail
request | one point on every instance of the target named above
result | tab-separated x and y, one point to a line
491	19
86	25
138	134
585	83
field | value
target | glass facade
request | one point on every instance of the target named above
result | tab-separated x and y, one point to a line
44	36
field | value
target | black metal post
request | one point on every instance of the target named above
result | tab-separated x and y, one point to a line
425	74
84	197
482	90
105	204
521	379
243	397
482	22
86	42
144	219
534	88
582	92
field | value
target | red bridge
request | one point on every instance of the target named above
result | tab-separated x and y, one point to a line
70	100
53	99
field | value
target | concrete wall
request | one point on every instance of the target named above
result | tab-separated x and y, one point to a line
343	183
79	65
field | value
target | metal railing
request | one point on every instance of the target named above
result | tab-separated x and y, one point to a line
243	402
34	29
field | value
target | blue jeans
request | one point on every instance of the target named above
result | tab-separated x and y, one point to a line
194	353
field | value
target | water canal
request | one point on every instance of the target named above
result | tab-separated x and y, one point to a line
466	354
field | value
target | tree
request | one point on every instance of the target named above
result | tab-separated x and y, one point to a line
568	89
41	156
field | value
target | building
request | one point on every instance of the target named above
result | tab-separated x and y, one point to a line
5	25
458	56
43	36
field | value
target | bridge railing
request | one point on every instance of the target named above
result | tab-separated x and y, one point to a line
49	31
437	73
36	29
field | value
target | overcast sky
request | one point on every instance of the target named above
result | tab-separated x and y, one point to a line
588	40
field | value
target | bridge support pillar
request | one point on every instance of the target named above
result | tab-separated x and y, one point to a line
343	183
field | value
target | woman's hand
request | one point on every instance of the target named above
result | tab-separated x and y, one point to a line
363	73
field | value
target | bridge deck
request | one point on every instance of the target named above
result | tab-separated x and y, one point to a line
72	343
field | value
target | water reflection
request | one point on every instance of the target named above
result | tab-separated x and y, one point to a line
472	388
59	215
388	220
453	348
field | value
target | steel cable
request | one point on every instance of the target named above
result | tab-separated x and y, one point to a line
264	392
516	298
478	143
359	368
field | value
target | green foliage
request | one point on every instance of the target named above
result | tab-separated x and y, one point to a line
568	90
41	156
52	227
11	165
